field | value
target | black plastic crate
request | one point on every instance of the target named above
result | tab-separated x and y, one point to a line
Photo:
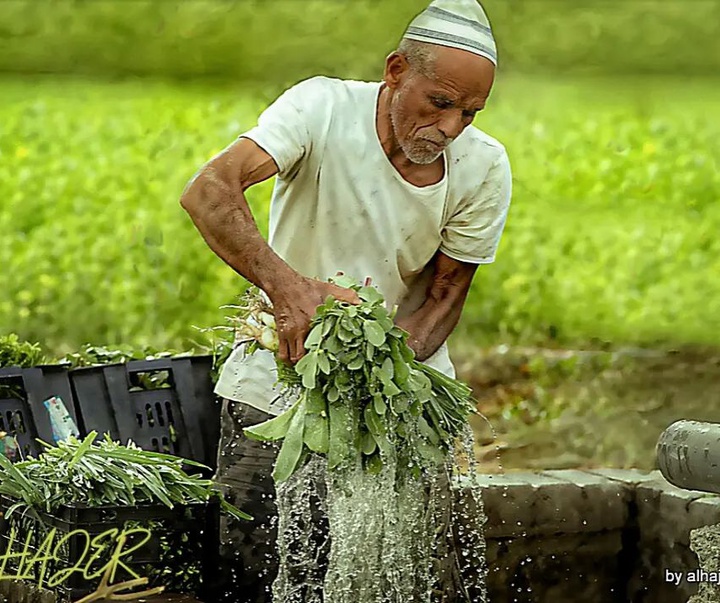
182	418
22	413
182	553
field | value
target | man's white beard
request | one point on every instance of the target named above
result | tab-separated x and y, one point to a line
414	152
419	156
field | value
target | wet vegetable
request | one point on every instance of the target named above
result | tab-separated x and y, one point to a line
361	394
104	473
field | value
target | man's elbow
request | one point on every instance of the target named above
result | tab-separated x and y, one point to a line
205	193
189	199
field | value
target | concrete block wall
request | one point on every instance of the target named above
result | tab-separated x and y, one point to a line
598	536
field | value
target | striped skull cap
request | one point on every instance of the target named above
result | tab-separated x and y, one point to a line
459	24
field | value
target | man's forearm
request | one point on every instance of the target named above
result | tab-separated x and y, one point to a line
431	324
221	214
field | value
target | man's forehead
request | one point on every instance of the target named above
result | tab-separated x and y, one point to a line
460	77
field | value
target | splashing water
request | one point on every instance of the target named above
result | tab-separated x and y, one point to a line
348	536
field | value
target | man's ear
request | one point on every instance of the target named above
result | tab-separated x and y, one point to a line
396	66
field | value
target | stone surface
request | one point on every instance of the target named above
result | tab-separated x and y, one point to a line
705	542
598	536
664	511
626	476
556	569
553	502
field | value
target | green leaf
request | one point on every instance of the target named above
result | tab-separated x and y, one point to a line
387	369
344	281
377	428
345	335
333	394
379	404
273	429
307	368
396	332
402	370
370	294
315	402
356	363
391	389
374	333
427	431
431	454
323	362
374	464
292	447
333	345
407	353
381	315
369	445
314	337
82	449
317	433
349	324
327	325
339	442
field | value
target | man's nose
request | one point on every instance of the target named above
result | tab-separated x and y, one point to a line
451	125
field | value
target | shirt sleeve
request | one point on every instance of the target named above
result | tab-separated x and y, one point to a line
473	233
284	130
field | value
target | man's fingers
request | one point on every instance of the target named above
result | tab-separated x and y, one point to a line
283	349
297	349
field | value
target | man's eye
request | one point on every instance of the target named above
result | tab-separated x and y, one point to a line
440	104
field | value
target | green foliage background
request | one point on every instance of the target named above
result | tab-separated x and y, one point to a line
285	40
607	109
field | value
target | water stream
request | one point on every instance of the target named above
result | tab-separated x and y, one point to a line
347	536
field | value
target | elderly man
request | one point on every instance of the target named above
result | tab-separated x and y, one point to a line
374	179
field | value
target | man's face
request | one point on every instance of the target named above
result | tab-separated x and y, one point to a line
428	113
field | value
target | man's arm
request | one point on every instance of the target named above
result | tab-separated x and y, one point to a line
215	200
431	324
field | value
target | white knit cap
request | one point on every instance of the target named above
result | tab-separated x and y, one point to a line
456	23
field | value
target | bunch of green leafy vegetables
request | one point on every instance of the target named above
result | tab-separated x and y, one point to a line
107	473
95	355
362	394
14	352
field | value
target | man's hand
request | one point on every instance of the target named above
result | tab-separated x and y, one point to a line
295	306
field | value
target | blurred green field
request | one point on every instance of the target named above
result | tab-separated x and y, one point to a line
279	41
612	234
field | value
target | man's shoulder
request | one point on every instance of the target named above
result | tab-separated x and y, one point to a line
475	143
473	156
322	86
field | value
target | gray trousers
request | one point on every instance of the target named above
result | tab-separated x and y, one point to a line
249	560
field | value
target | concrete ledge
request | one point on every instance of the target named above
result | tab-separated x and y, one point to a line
601	536
553	502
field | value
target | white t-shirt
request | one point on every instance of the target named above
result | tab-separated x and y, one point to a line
340	205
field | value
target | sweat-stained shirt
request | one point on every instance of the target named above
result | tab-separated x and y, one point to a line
339	205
